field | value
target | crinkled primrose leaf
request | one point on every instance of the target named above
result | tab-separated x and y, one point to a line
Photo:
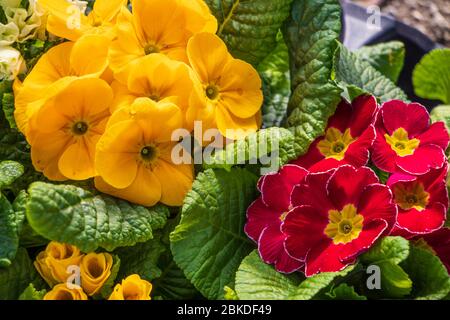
311	34
249	28
210	243
69	214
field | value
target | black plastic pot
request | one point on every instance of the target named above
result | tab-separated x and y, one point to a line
358	33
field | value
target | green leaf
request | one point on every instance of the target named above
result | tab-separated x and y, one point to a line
10	226
249	27
429	276
172	284
394	249
311	34
431	77
441	113
256	280
31	293
72	215
388	58
395	282
271	147
16	278
8	109
230	294
141	259
210	243
9	172
314	286
274	71
344	292
352	70
108	286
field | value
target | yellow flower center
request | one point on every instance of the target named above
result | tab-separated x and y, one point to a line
344	226
155	97
411	196
283	216
212	92
151	48
148	154
335	143
80	128
400	142
63	295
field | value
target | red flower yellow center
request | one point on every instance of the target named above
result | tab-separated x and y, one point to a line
335	143
344	226
413	195
401	144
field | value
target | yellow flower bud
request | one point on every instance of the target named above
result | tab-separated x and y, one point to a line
53	263
95	270
132	288
62	292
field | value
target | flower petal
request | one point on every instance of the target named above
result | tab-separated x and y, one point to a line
358	153
175	181
276	188
413	117
365	109
347	183
382	154
144	190
323	257
77	161
437	134
424	158
235	128
259	216
376	202
272	251
304	229
428	220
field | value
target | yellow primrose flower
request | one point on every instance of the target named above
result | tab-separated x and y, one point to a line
158	26
95	271
134	156
62	292
64	138
158	78
132	288
55	70
67	20
52	263
231	96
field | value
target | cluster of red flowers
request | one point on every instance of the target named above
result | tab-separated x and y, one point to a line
319	213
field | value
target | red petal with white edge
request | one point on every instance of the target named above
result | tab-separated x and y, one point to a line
313	192
347	183
398	232
324	257
413	117
436	134
440	242
376	202
357	153
382	154
303	228
424	158
400	177
341	118
272	251
425	221
276	188
365	109
369	234
325	165
259	216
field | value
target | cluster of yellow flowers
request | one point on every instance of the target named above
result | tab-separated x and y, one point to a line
54	265
105	103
